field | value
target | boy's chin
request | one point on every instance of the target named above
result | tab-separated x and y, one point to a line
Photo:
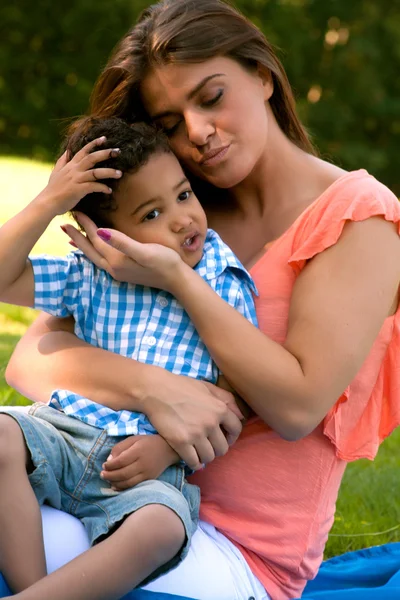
193	260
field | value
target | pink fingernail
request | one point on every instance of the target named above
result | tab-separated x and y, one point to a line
109	457
104	234
72	244
63	228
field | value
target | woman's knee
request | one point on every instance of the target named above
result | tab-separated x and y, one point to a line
13	449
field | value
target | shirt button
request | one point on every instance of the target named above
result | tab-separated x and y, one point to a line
151	340
163	302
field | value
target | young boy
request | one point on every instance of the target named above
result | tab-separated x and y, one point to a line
54	453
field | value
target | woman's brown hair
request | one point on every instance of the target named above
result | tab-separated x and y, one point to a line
183	31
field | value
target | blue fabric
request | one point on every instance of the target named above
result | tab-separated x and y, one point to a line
135	595
371	574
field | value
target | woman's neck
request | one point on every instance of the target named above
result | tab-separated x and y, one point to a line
285	179
284	182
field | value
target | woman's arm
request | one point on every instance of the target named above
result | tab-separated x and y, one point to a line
59	359
339	303
191	415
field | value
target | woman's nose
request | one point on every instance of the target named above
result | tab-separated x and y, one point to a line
199	128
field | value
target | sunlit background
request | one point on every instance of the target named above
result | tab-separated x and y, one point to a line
342	58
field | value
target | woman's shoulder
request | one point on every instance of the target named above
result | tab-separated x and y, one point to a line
355	190
354	196
346	196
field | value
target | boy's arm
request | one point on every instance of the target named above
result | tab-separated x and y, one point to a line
69	182
17	238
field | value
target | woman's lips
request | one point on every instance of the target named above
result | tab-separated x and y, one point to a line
213	157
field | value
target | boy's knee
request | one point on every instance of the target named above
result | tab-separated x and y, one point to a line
12	442
169	526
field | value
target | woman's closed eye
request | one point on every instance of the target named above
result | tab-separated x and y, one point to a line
214	99
171	129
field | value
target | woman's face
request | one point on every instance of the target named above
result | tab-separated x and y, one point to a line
214	114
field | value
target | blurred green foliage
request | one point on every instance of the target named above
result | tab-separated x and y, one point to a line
342	58
50	55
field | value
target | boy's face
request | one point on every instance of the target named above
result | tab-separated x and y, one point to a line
156	205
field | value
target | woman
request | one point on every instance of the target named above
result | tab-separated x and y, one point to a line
320	374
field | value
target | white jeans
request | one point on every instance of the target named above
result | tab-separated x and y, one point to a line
213	570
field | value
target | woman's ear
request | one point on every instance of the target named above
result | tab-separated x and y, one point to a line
265	76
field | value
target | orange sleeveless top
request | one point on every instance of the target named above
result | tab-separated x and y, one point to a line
275	500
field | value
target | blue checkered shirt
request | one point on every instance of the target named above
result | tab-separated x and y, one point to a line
143	323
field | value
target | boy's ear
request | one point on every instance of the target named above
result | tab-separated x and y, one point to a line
266	79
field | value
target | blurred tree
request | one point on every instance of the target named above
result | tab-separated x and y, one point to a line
342	58
50	55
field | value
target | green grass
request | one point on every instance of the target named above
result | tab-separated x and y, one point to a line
368	507
13	322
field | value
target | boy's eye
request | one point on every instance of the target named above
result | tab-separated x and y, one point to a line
152	215
170	130
214	99
184	195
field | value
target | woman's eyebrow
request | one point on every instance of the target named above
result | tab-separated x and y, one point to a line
190	95
202	83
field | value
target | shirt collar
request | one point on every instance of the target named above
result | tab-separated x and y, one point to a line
217	257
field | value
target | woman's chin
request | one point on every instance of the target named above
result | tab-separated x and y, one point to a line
228	174
225	177
226	181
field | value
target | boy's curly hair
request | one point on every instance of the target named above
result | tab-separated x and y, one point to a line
137	143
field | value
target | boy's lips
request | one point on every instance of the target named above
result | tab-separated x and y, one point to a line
192	242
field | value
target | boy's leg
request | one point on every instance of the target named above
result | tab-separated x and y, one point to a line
22	558
146	540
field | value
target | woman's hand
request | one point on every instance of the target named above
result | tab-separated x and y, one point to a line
197	419
125	259
138	458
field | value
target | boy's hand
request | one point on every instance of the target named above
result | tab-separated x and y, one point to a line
138	458
73	179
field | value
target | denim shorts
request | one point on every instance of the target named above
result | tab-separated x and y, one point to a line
67	457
